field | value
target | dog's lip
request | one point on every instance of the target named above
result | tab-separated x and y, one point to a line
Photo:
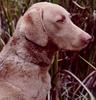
75	48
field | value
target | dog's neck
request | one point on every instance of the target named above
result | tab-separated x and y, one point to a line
34	53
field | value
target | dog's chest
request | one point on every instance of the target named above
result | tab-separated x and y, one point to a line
30	80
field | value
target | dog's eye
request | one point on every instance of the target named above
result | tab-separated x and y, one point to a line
61	20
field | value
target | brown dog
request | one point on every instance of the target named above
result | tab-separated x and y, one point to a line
25	60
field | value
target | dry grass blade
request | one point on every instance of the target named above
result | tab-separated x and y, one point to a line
88	63
48	97
90	75
78	5
3	43
90	94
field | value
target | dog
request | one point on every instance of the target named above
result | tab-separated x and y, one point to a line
24	61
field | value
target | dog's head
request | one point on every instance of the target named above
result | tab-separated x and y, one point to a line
46	20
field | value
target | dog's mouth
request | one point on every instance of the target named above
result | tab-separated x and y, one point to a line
81	45
76	48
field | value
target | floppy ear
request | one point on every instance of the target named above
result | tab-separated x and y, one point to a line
34	28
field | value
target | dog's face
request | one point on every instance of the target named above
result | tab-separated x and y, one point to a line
47	20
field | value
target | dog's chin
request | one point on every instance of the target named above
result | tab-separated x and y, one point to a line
75	48
78	48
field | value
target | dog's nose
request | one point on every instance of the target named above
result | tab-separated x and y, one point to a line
85	40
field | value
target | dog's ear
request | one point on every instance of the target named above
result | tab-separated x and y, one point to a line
34	28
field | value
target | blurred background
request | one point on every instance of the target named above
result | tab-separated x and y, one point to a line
73	73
